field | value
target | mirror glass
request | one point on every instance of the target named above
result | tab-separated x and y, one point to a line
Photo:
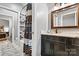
69	20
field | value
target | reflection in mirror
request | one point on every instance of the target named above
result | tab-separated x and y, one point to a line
69	20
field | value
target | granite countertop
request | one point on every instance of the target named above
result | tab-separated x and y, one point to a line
72	35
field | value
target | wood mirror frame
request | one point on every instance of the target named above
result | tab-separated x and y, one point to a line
67	7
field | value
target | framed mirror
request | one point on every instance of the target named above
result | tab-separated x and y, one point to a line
65	17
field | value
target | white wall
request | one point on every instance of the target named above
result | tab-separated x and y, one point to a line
13	6
40	23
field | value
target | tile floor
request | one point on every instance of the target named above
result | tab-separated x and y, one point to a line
7	49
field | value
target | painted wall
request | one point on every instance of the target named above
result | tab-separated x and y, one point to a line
40	23
14	6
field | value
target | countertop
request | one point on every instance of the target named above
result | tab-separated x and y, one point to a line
72	35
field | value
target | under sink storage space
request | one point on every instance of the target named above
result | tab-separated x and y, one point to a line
59	49
75	42
59	46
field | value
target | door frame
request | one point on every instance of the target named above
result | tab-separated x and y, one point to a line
10	19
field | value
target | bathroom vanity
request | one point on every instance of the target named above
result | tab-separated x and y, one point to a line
59	44
62	44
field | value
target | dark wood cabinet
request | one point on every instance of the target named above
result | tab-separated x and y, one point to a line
59	46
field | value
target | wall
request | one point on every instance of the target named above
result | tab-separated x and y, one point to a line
40	23
13	6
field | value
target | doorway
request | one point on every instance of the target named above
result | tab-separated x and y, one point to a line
6	23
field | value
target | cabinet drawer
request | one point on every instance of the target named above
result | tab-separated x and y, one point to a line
47	38
60	40
75	42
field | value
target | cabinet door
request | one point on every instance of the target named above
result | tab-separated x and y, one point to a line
75	44
72	46
49	49
76	51
59	49
47	46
